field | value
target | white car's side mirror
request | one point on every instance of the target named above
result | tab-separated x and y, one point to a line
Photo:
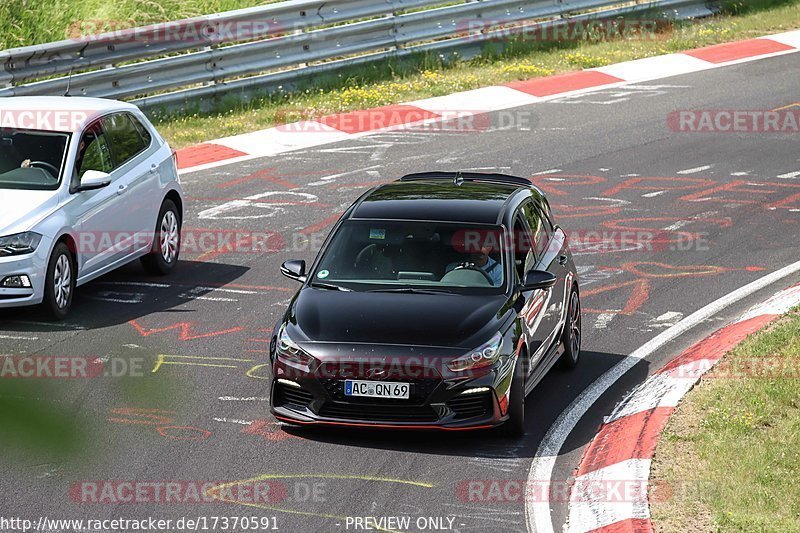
94	179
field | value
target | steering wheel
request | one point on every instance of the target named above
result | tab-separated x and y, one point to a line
365	255
473	266
46	166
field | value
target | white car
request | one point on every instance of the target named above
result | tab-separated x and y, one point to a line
86	186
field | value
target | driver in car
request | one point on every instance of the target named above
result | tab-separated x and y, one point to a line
481	259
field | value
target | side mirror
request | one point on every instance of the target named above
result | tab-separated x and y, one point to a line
538	279
94	179
294	269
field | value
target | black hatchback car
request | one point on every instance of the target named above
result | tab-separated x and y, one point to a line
438	301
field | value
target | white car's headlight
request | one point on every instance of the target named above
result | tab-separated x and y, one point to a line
484	355
19	243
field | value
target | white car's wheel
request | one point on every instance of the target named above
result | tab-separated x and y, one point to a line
167	241
59	286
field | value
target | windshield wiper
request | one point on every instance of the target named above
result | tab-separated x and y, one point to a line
331	286
412	290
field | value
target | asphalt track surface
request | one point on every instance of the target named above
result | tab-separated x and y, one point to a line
203	416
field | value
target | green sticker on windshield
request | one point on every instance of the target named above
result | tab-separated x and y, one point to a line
323	274
377	234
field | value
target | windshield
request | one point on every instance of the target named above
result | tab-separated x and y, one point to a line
393	255
31	159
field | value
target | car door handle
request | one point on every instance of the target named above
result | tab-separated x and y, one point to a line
562	259
121	189
153	168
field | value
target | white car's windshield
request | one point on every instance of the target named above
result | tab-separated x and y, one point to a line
31	159
393	255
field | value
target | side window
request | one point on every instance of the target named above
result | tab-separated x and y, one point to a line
541	236
548	224
143	132
93	152
524	258
124	138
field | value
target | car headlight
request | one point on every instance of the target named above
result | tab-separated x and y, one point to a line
290	353
19	243
484	355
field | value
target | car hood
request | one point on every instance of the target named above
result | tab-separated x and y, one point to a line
441	320
21	209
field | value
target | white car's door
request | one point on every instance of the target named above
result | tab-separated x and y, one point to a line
132	151
99	214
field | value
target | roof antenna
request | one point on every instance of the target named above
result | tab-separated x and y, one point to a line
458	179
69	82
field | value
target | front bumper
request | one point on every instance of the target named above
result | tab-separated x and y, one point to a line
434	404
33	265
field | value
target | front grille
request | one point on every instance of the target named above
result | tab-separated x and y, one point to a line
471	405
421	389
379	413
285	394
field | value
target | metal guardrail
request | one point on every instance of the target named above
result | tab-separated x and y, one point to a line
263	48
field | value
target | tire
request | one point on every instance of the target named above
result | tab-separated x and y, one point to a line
166	241
571	336
59	285
514	427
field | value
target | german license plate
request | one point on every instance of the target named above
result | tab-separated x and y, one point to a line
377	389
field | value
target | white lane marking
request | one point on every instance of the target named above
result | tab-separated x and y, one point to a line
134	284
551	171
670	318
630	175
612	200
740	173
207	298
538	513
789	175
653	194
694	170
233	421
237	399
55	326
603	319
677	225
265	209
18	338
118	297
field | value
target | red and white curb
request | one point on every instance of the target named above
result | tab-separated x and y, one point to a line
621	452
354	124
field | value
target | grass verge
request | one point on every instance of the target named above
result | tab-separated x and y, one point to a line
731	452
422	77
